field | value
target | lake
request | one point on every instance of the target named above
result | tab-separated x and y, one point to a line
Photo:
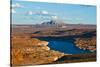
65	45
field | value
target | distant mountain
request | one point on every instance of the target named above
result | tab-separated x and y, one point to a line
54	22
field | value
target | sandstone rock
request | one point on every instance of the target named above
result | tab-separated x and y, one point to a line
28	42
36	56
86	43
26	51
44	43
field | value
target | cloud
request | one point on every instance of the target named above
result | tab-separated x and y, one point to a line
14	6
30	12
13	11
44	12
17	5
54	17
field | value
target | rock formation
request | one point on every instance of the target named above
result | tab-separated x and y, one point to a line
86	43
54	22
27	51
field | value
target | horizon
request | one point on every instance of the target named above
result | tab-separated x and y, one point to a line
40	24
26	12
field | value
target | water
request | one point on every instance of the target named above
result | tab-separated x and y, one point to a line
66	46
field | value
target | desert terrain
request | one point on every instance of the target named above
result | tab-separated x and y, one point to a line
27	48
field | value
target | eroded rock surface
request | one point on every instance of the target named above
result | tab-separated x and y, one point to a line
86	43
27	51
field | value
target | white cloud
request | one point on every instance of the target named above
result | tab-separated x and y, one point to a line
54	17
13	11
17	5
30	12
14	6
44	12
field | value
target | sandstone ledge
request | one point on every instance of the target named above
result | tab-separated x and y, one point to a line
86	43
32	52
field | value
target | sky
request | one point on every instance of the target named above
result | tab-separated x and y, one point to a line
28	12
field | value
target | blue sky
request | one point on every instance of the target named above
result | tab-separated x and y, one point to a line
27	12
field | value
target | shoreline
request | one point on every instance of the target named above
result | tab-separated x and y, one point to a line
58	34
69	38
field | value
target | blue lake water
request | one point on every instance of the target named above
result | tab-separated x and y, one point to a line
66	46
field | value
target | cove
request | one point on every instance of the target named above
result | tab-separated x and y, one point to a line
64	45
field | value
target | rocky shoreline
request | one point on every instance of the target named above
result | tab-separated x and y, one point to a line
86	43
27	49
26	52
